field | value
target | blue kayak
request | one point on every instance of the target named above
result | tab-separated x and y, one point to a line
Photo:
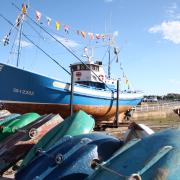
71	157
154	157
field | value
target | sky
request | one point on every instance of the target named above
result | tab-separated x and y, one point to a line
146	32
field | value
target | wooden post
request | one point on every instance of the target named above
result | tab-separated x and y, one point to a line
72	92
117	106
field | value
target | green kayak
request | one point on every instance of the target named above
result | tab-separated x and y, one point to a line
78	123
11	127
8	118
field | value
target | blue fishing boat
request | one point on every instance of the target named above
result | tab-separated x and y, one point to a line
71	158
93	92
154	157
33	92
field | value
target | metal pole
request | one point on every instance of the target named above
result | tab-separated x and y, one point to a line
72	92
117	106
19	44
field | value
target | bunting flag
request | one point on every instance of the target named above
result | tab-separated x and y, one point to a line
98	36
38	15
66	28
83	34
18	20
91	35
24	8
49	20
127	81
103	36
78	32
58	25
6	40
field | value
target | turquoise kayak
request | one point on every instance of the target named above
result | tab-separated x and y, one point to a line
78	123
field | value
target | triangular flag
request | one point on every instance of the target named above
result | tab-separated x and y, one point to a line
24	8
78	32
103	36
127	81
98	36
58	25
83	34
91	36
49	20
18	20
38	15
66	28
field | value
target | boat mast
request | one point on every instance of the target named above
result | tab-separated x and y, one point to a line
19	45
109	59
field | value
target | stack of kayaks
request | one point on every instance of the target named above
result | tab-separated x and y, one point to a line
71	157
78	123
16	146
52	148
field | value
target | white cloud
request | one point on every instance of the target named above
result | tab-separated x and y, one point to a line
24	44
174	81
170	30
67	42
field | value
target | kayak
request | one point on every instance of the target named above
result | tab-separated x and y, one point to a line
8	118
12	126
4	113
16	146
78	123
71	157
156	156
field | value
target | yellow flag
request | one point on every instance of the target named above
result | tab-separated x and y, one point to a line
127	81
58	25
23	9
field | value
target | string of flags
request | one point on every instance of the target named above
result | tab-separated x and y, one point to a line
67	29
124	76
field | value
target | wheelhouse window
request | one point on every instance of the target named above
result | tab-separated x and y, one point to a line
85	67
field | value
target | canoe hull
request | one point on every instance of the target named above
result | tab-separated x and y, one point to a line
16	146
154	157
78	153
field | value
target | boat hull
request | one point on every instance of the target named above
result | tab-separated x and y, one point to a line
100	113
154	157
77	155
